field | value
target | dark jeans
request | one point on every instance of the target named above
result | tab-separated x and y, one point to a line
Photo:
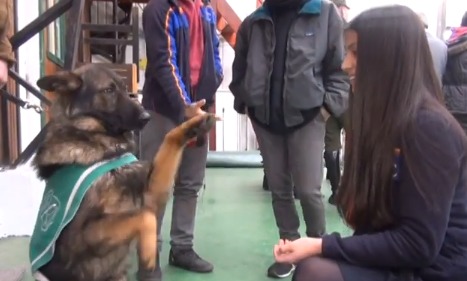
298	155
188	183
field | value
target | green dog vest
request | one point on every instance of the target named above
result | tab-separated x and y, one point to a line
63	194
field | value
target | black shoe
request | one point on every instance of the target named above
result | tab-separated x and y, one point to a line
332	199
295	194
280	270
265	183
189	260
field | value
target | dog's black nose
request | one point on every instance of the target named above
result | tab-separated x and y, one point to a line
144	117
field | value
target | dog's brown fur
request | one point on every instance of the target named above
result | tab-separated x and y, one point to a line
93	119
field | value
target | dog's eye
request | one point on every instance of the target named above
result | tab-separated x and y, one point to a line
107	90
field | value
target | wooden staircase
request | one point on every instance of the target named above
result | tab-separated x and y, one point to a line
228	21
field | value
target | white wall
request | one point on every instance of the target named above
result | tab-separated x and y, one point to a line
20	190
29	68
235	132
20	197
454	11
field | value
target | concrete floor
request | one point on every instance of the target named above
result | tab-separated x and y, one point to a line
235	230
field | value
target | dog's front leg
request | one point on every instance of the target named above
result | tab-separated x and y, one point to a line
167	159
114	230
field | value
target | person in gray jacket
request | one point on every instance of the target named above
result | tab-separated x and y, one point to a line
455	77
438	49
287	77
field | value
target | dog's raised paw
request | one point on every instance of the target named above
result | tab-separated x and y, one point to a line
194	128
201	127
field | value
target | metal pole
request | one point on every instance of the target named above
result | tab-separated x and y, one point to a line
441	26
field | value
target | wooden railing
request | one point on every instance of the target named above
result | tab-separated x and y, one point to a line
228	21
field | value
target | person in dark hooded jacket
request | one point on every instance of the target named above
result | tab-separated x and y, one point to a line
455	77
287	77
334	126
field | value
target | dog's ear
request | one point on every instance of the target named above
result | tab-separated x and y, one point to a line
63	82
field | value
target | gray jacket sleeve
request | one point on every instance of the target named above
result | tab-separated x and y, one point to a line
439	53
237	86
336	81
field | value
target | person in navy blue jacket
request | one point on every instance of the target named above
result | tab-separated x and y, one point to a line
182	76
404	186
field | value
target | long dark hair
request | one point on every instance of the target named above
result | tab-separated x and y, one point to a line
395	78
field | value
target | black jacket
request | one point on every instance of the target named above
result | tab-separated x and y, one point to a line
429	238
455	80
313	76
167	79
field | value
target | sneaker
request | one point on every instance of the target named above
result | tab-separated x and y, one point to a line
189	260
280	270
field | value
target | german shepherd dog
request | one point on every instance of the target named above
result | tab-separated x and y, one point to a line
92	120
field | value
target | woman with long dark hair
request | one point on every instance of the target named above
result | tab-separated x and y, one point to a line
404	186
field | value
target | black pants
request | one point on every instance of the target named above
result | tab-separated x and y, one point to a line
320	269
331	160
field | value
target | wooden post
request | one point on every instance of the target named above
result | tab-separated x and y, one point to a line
441	22
10	145
73	34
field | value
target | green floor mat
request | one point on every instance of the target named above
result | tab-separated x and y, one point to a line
234	159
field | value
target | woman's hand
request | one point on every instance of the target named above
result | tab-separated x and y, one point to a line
3	73
295	251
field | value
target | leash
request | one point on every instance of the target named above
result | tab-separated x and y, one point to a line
31	148
19	102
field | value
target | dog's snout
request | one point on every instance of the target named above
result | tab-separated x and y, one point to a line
144	117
